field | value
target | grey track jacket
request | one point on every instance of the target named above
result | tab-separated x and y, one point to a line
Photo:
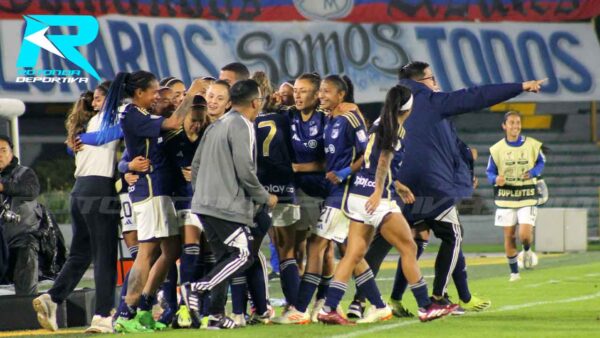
224	171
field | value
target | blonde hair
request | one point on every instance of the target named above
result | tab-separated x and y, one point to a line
266	88
79	115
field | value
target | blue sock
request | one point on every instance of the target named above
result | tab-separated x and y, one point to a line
146	302
290	280
512	263
257	285
169	288
307	288
323	287
400	282
459	275
335	293
189	258
133	250
274	257
126	311
419	290
239	290
526	247
366	283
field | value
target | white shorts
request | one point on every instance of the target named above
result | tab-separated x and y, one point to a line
285	215
127	223
187	217
310	210
509	217
355	210
332	225
155	218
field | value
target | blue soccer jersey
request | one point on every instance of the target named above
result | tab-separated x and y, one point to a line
142	133
275	156
307	143
345	141
363	182
180	153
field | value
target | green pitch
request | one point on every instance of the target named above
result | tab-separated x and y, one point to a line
560	298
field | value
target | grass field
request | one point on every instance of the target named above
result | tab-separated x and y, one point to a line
560	298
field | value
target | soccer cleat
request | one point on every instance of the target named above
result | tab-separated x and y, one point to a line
374	315
184	319
273	275
435	311
100	325
46	312
445	301
476	304
514	277
239	320
399	310
333	318
220	322
265	318
167	316
124	325
292	316
314	314
204	322
145	318
355	310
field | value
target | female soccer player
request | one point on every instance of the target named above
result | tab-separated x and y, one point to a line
514	165
370	205
177	86
345	140
217	100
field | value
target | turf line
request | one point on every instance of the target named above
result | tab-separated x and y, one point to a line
501	309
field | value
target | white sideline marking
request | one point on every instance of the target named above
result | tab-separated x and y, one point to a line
393	278
501	309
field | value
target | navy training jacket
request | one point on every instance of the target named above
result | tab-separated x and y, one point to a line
434	167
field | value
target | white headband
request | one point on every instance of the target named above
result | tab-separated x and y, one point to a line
408	104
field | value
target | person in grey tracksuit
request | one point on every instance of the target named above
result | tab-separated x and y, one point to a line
226	188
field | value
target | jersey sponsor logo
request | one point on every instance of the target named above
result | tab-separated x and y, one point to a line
362	137
364	182
335	133
330	149
312	144
313	130
279	188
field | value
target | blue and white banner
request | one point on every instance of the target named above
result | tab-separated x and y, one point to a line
460	54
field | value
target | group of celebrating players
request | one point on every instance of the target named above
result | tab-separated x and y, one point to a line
208	171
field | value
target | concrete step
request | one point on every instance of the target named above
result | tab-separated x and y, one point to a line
558	180
555	147
573	191
572	169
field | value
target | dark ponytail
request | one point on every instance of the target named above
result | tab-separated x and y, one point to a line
124	85
342	84
387	131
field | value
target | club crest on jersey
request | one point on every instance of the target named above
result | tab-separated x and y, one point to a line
314	130
312	144
335	133
362	136
330	149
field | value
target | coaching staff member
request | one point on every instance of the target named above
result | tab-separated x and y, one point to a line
226	191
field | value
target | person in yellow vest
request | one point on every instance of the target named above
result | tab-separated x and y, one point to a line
515	164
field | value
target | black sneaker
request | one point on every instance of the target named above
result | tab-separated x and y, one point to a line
218	322
355	310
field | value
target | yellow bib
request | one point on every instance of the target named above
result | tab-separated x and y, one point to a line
512	163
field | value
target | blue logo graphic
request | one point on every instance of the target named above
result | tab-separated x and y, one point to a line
36	37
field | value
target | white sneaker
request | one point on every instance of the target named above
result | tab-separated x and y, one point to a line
314	314
534	259
374	315
520	260
239	320
292	316
100	325
514	277
46	312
